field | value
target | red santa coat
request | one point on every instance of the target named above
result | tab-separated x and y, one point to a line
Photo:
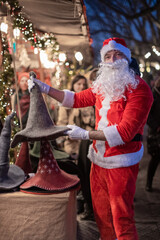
120	121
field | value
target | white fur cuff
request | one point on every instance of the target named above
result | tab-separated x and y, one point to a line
68	100
112	136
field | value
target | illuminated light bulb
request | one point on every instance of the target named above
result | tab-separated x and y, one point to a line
4	27
148	69
155	51
157	66
147	55
79	56
16	32
35	50
142	69
62	57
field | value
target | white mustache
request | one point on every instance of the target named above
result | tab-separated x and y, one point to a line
115	65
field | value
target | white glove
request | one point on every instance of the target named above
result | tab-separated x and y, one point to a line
77	133
44	88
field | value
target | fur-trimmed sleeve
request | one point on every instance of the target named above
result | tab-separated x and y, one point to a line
84	99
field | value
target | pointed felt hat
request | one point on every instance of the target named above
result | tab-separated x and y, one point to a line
39	124
58	154
23	159
49	178
11	176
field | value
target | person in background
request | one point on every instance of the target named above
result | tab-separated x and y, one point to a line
93	76
122	103
80	117
83	117
24	98
134	66
153	137
84	164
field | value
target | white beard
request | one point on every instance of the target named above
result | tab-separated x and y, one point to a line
113	79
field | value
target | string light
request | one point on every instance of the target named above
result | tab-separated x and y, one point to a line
147	55
62	57
79	56
4	27
155	51
157	66
21	23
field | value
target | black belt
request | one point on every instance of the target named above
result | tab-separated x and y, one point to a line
138	137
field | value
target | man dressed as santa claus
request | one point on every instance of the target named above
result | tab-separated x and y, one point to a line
122	102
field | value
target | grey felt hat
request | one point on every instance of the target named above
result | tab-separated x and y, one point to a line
11	176
39	125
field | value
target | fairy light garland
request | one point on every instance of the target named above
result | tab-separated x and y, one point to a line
29	34
6	79
155	51
37	40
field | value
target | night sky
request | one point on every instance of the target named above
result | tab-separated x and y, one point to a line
96	26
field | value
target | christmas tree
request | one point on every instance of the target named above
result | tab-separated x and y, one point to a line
6	79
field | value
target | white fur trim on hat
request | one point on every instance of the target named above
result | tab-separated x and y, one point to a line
112	136
113	45
68	100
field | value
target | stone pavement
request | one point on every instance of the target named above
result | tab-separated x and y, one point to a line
147	207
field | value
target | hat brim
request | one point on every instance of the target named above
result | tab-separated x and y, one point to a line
51	183
14	178
36	190
33	134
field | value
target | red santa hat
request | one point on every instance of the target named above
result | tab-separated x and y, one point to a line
115	44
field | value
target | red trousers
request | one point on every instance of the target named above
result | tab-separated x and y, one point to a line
112	196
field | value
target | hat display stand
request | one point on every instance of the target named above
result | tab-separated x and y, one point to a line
11	176
39	125
23	159
49	178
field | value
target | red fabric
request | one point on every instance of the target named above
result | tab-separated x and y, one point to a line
23	160
113	189
24	105
130	116
49	176
112	196
48	81
118	40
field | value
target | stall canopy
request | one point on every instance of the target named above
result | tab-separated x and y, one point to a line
66	19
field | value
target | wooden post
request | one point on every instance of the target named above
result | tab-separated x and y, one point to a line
41	70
